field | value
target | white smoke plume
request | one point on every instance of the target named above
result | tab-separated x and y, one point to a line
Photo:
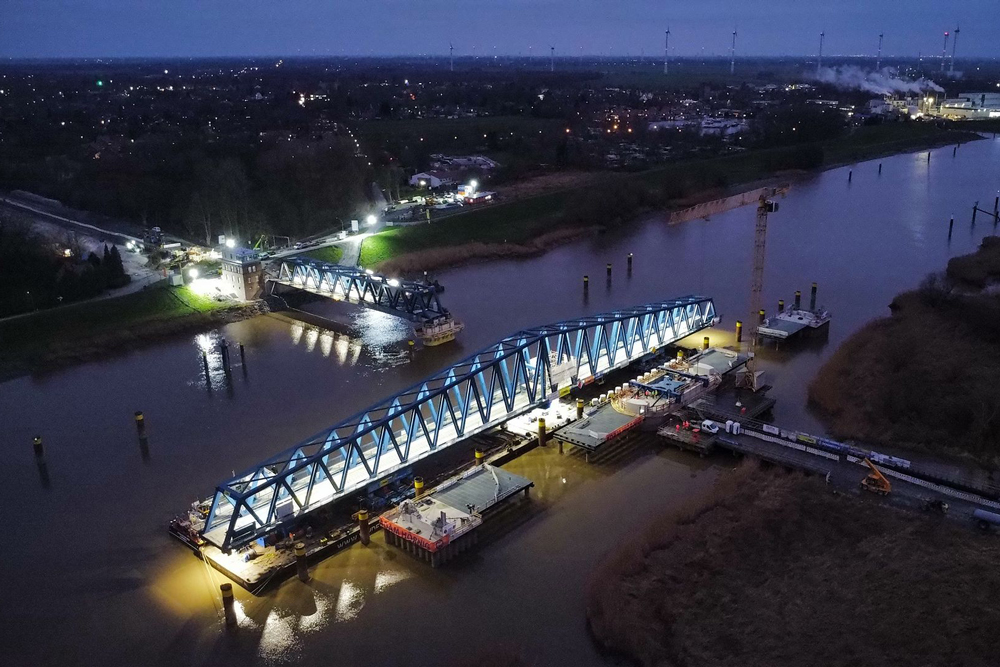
885	81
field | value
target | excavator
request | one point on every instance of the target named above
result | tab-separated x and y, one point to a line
876	482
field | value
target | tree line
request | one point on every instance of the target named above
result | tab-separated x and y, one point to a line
35	275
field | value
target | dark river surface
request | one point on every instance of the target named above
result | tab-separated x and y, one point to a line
89	575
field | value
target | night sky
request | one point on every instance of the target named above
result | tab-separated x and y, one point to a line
89	28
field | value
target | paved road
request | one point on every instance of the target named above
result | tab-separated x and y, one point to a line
351	246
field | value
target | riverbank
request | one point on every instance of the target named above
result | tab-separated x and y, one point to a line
621	198
82	332
924	378
774	569
438	258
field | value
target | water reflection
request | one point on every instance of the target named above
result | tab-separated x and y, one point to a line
344	349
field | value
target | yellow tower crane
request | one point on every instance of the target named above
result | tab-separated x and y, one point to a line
764	206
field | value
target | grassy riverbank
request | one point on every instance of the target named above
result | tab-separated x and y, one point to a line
774	569
925	377
622	197
88	330
330	254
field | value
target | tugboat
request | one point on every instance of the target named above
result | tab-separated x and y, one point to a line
438	330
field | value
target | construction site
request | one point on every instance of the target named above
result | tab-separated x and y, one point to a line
424	467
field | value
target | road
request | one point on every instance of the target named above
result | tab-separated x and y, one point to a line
351	246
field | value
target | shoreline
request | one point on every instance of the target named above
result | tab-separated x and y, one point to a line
871	388
446	257
718	579
127	339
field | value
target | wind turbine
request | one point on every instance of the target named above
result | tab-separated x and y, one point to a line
666	53
732	55
451	56
819	61
552	59
878	58
954	45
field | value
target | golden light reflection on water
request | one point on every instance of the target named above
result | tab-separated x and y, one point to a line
350	601
341	347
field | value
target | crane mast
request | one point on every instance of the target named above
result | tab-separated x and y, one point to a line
764	206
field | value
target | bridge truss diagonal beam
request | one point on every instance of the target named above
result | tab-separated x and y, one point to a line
413	300
485	389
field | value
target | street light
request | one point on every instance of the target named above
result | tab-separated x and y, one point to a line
474	184
193	273
230	243
371	220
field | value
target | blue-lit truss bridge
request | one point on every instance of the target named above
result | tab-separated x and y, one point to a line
510	377
416	301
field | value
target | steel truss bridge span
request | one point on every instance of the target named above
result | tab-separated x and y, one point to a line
485	389
416	301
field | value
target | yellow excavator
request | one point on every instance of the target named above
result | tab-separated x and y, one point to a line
876	482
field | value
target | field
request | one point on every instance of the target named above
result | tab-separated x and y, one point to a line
773	569
925	377
330	254
85	329
622	197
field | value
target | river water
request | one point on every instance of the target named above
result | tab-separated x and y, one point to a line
90	576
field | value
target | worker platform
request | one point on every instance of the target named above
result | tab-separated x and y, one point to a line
716	360
688	437
796	321
734	403
442	523
793	323
598	426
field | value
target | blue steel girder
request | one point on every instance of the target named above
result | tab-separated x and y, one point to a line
413	300
479	392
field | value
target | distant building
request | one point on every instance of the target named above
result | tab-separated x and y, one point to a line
480	162
433	179
971	106
241	273
722	127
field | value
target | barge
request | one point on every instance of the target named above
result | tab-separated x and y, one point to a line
443	523
796	321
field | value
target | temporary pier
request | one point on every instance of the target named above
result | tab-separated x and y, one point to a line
839	461
600	425
663	390
796	321
441	524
